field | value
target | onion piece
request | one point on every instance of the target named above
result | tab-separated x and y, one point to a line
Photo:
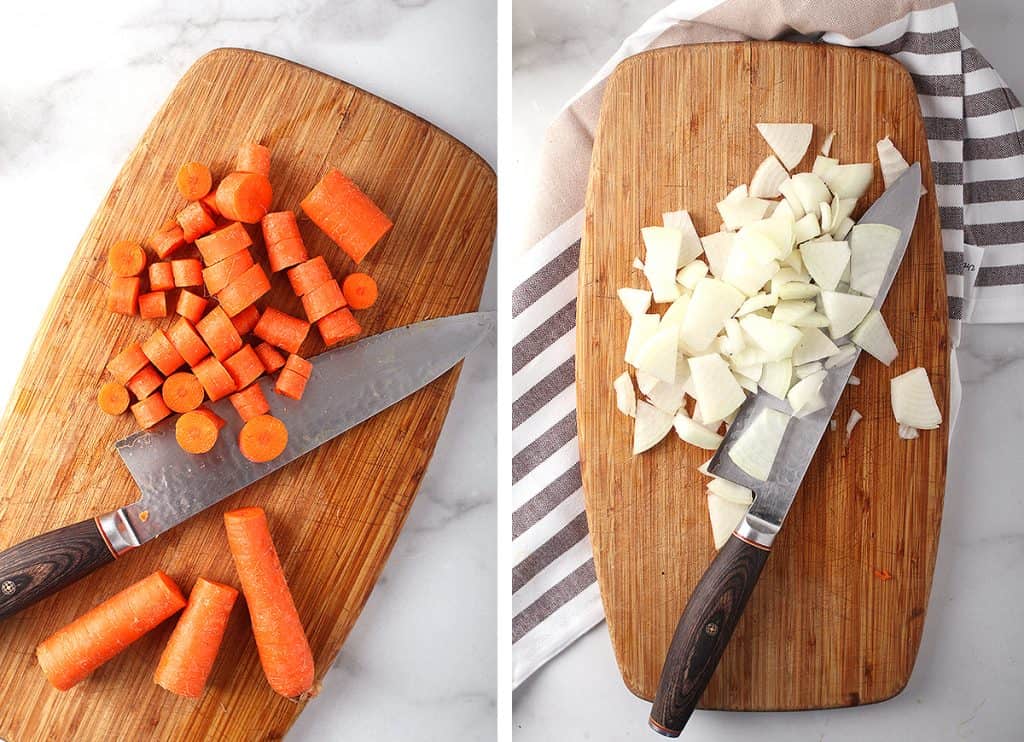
676	311
776	339
755	449
717	247
826	261
842	208
850	181
822	164
646	382
913	402
667	397
712	303
731	491
814	319
690	273
662	245
811	190
777	377
734	335
658	355
873	336
908	433
843	229
805	391
815	403
792	199
625	396
638	264
844	311
806	228
717	390
752	371
767	178
636	301
756	302
739	212
853	380
725	516
788	312
806	369
890	161
826	217
641	329
855	417
690	248
650	427
746	272
813	345
695	434
843	355
826	146
739	192
872	247
788	141
795	290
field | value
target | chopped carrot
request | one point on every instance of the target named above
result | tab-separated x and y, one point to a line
219	275
299	365
153	305
186	341
244	197
151	410
307	276
279	226
282	330
191	306
219	334
346	215
162	353
250	402
253	158
167	239
245	320
123	295
360	290
187	272
161	276
223	243
338	326
214	377
323	300
244	290
212	416
272	360
290	384
194	180
127	363
188	658
183	392
209	202
194	221
113	398
244	366
70	654
263	438
286	253
144	383
126	258
196	432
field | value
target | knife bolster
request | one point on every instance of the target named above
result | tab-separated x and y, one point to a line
757	532
117	532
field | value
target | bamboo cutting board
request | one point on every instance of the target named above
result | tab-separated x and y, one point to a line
837	616
336	512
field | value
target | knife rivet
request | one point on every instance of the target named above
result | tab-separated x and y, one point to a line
8	587
711	629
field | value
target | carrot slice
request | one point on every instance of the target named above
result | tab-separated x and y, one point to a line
263	438
113	398
253	158
187	272
279	226
162	353
307	276
186	341
245	320
212	416
191	306
244	366
193	180
299	365
214	377
338	326
285	254
144	383
151	410
209	202
244	290
323	300
167	239
123	294
153	305
127	363
346	215
290	384
70	654
183	392
360	290
282	330
280	639
219	334
223	243
195	432
269	356
126	258
188	658
161	276
250	402
219	275
244	197
194	221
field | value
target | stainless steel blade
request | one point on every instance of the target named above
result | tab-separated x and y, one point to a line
348	385
897	207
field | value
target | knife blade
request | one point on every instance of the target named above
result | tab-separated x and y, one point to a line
717	602
348	385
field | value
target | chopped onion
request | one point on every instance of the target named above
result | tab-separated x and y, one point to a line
815	403
855	417
663	245
822	164
783	210
873	336
786	275
777	377
792	199
725	516
695	434
805	390
811	190
703	468
826	261
841	231
767	178
734	336
842	208
638	264
890	161
788	141
755	302
826	217
768	239
913	402
795	290
641	329
751	372
737	193
832	424
712	303
872	247
691	273
806	369
717	247
625	396
788	312
677	310
813	345
749	384
907	432
814	319
731	491
776	339
850	181
690	248
853	380
636	301
658	355
739	212
746	272
718	392
844	311
651	426
844	354
667	397
806	228
646	382
826	146
755	449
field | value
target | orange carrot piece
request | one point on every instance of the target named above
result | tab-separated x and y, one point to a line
245	320
285	254
253	158
282	330
338	326
279	226
194	221
219	275
214	377
250	402
263	438
223	243
153	305
212	416
144	383
188	658
309	275
360	290
346	215
219	334
272	360
127	363
186	341
244	366
290	384
191	306
195	432
161	353
194	180
209	202
126	258
123	294
70	654
151	410
244	290
280	639
323	300
183	392
167	239
113	398
244	197
299	365
187	272
161	276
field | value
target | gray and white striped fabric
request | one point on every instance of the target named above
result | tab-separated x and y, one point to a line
974	125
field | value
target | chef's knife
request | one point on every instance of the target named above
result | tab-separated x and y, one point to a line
714	608
348	385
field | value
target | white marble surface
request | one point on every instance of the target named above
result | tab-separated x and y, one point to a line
970	671
79	83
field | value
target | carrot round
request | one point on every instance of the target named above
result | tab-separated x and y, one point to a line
244	366
279	226
195	432
263	438
282	330
214	377
223	243
290	384
209	202
127	363
244	197
193	180
337	326
244	290
144	383
309	275
161	276
195	221
167	239
191	306
113	398
161	353
245	320
186	340
219	334
70	654
212	416
220	274
186	272
360	290
153	305
151	410
183	392
299	365
346	214
126	258
123	294
250	402
269	356
285	254
280	639
253	158
323	300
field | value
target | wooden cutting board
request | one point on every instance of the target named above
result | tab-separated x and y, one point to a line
836	619
336	512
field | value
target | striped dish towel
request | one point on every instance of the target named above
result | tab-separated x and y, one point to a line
974	126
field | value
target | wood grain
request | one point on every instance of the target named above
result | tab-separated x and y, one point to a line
336	512
837	617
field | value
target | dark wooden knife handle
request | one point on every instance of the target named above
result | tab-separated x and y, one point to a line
704	629
39	567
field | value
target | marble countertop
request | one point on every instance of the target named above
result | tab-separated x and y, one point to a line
970	669
80	83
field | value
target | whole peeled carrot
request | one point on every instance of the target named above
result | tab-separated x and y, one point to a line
73	652
280	639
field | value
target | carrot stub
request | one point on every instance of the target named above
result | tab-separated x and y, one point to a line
113	398
190	306
195	221
290	384
280	639
337	326
73	652
279	226
286	253
183	392
270	357
187	272
161	353
194	180
144	383
186	341
360	290
250	403
127	363
123	294
245	320
323	300
244	197
219	275
209	202
309	275
263	438
153	305
346	214
244	290
151	410
214	377
244	366
282	330
219	334
195	432
161	276
223	243
253	158
167	239
126	258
